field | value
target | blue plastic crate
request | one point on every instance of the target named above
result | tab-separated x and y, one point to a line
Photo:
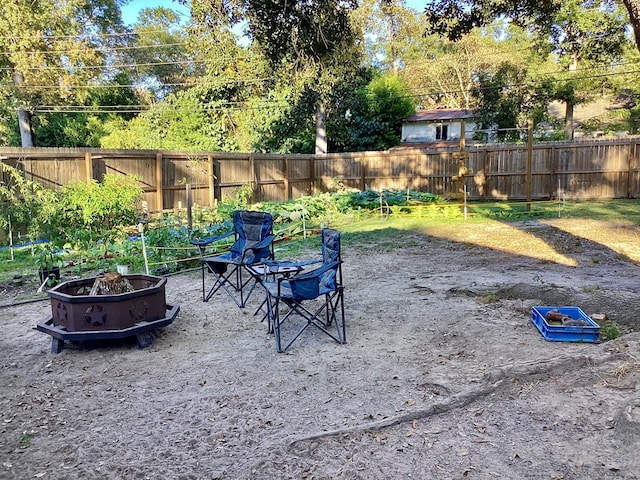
566	333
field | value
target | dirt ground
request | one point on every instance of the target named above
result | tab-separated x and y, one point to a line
443	377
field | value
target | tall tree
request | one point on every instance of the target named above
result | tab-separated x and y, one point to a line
51	51
578	33
159	52
314	39
455	18
393	33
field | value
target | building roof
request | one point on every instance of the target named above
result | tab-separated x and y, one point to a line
439	114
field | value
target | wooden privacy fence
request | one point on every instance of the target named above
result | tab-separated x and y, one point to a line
595	169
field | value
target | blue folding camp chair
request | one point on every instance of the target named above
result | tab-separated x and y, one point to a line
253	232
313	298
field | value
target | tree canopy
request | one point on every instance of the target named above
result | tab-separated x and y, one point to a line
283	76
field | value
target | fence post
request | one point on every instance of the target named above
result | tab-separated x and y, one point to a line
189	207
159	182
285	178
529	161
254	179
211	179
88	166
312	174
629	170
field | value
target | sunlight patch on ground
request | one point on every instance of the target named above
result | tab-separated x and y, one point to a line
619	236
502	237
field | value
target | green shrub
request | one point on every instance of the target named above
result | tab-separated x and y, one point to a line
93	210
609	330
25	206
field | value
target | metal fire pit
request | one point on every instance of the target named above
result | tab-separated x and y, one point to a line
78	316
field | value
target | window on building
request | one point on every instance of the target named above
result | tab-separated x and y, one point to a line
442	132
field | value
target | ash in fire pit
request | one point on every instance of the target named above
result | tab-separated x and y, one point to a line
111	306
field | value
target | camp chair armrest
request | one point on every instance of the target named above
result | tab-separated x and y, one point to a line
265	242
289	263
311	274
203	242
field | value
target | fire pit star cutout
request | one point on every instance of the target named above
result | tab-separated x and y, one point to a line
95	316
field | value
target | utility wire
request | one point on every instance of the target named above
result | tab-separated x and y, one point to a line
225	81
107	67
436	90
99	35
235	106
98	49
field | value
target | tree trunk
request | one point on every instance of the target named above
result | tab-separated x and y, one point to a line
568	115
568	121
321	129
633	7
24	119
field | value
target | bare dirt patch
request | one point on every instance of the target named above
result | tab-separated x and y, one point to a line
444	376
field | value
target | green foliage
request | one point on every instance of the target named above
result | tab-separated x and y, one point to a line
57	40
317	209
92	210
47	256
280	123
85	129
376	120
609	330
315	30
25	205
184	121
371	199
503	98
161	53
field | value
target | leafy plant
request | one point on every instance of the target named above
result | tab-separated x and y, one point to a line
25	206
25	439
47	257
97	209
609	330
370	199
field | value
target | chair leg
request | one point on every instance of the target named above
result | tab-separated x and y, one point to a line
233	283
273	309
334	303
341	327
221	281
203	294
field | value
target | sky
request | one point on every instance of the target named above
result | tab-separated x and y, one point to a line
130	11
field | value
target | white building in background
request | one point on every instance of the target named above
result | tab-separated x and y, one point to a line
438	125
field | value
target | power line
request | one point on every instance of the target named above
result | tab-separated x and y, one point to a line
137	85
436	91
162	109
106	67
80	35
98	49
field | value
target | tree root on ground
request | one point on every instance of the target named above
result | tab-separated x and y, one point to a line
491	382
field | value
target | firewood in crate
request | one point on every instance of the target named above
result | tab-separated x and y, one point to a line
110	283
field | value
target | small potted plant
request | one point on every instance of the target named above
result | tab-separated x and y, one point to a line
48	262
